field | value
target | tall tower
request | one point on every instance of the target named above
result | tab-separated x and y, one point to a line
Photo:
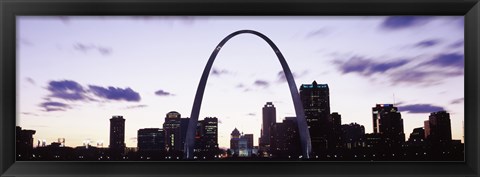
335	135
206	138
388	123
439	128
210	135
117	136
316	103
269	117
234	140
173	132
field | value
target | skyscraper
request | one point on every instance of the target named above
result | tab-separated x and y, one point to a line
151	139
183	131
285	139
269	117
335	132
210	135
117	136
206	138
234	140
439	128
388	123
173	132
316	103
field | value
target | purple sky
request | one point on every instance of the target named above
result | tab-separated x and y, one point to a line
74	73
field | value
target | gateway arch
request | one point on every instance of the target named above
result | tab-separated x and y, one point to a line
300	114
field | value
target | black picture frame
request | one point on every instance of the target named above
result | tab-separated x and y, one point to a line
11	8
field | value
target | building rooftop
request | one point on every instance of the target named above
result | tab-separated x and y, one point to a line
313	85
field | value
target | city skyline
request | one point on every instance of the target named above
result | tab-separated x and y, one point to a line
341	141
144	84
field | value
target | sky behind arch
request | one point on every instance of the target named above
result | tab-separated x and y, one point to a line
75	73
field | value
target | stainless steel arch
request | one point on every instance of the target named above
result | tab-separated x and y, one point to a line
302	123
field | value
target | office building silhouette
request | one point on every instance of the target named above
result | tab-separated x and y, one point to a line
117	137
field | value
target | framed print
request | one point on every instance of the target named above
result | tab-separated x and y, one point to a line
253	88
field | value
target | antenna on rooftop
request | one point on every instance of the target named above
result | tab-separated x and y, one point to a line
393	99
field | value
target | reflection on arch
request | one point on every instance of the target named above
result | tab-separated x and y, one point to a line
300	114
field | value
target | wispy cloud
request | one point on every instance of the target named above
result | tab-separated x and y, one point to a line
30	80
460	21
64	19
218	72
50	106
416	76
104	50
433	71
163	93
366	66
115	93
282	78
405	71
457	101
457	44
427	43
402	22
420	108
72	91
67	90
25	42
251	114
91	47
411	76
320	32
245	88
30	114
447	60
137	106
261	83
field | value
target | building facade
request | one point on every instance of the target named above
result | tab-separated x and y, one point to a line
151	139
117	136
388	124
241	145
173	132
285	139
206	138
334	138
24	143
316	103
269	116
439	127
417	137
353	136
234	142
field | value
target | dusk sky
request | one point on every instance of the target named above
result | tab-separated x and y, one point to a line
75	73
